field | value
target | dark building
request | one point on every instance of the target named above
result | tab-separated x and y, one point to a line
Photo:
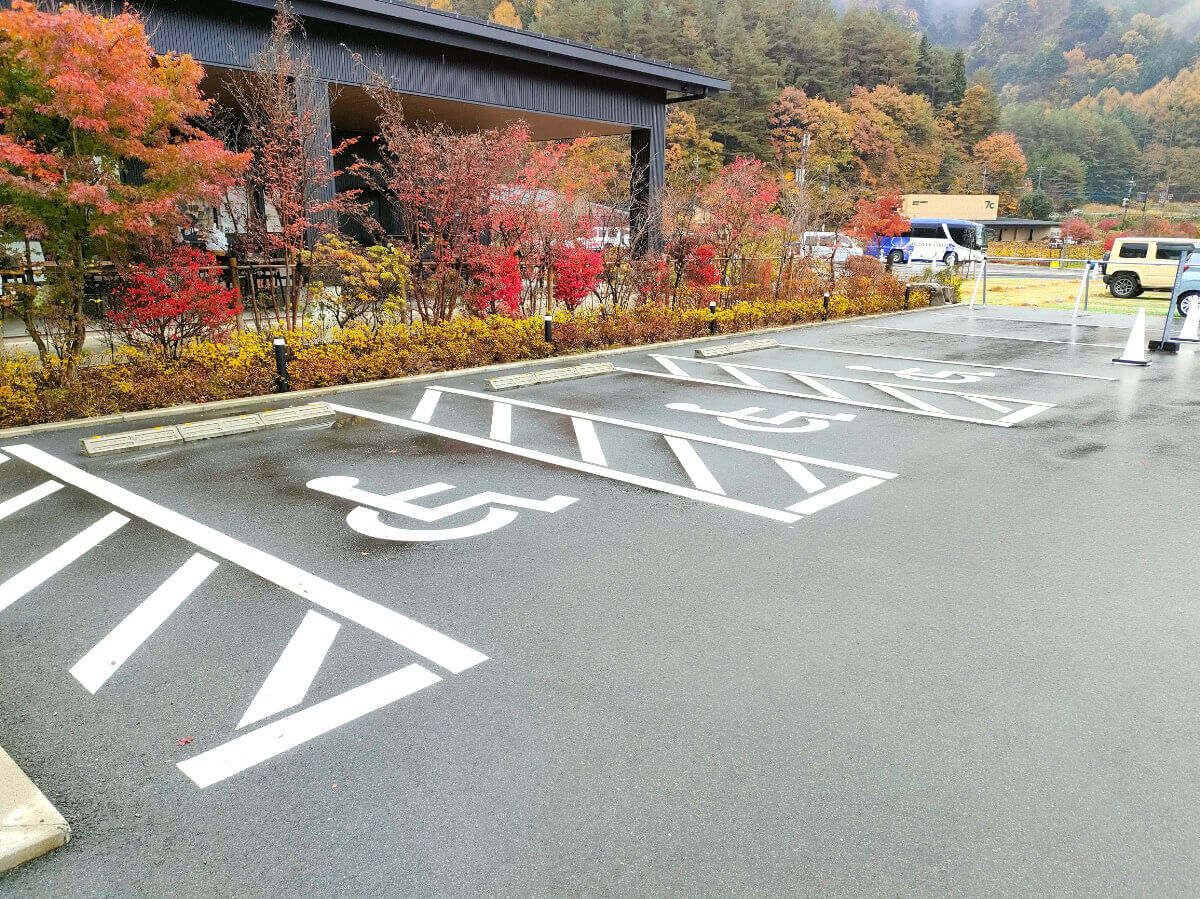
464	72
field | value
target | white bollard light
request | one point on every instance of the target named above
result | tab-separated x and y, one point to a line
1135	348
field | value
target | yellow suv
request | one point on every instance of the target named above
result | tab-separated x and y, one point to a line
1135	264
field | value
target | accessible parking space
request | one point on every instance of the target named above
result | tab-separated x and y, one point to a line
901	605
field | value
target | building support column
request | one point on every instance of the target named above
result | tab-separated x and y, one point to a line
647	157
312	105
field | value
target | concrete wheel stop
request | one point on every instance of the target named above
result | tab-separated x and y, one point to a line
30	826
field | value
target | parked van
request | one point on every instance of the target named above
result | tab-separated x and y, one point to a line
949	241
1128	268
823	244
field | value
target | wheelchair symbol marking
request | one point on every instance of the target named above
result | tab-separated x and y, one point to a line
365	518
748	419
916	373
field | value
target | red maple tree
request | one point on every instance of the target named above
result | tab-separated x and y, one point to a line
171	300
577	272
881	217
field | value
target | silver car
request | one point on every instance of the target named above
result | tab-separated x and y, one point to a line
1189	284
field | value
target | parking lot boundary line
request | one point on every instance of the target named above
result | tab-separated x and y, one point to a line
834	495
816	396
586	467
28	498
270	740
1036	371
1105	346
803	377
104	659
670	432
425	641
57	559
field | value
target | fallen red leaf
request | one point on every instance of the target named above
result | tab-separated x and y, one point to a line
185	741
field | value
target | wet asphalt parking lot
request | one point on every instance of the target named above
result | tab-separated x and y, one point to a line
904	606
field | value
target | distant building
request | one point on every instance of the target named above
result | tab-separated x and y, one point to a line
973	207
1027	230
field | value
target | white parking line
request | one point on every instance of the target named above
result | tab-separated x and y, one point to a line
425	641
564	462
106	657
28	498
585	435
1036	371
270	740
694	466
288	683
1042	321
1106	346
501	422
58	559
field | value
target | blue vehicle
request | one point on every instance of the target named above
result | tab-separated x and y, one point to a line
949	241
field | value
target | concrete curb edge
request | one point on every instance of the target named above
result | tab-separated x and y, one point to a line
30	825
279	399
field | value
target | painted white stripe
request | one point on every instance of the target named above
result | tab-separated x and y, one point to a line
589	444
823	389
56	560
103	660
273	739
908	385
694	466
833	495
28	498
3	458
906	398
1042	321
1022	414
802	476
1035	371
736	372
501	422
424	641
670	432
288	683
429	401
669	365
624	477
1106	346
809	396
986	403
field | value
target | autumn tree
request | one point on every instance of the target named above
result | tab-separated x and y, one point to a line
977	115
444	185
293	167
881	217
1001	157
98	144
738	206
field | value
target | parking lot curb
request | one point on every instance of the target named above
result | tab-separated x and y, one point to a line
241	404
30	826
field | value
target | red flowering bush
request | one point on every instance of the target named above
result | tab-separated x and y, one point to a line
497	282
1108	224
1078	230
172	300
577	271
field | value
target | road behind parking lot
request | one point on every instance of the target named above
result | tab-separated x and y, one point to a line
903	606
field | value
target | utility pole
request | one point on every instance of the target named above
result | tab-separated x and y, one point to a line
1040	169
1166	194
985	190
802	175
1125	203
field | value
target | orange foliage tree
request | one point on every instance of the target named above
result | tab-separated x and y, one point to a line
99	144
882	217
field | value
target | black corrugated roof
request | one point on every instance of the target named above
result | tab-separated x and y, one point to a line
1017	223
397	18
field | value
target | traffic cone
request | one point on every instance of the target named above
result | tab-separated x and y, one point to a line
1135	348
1191	324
